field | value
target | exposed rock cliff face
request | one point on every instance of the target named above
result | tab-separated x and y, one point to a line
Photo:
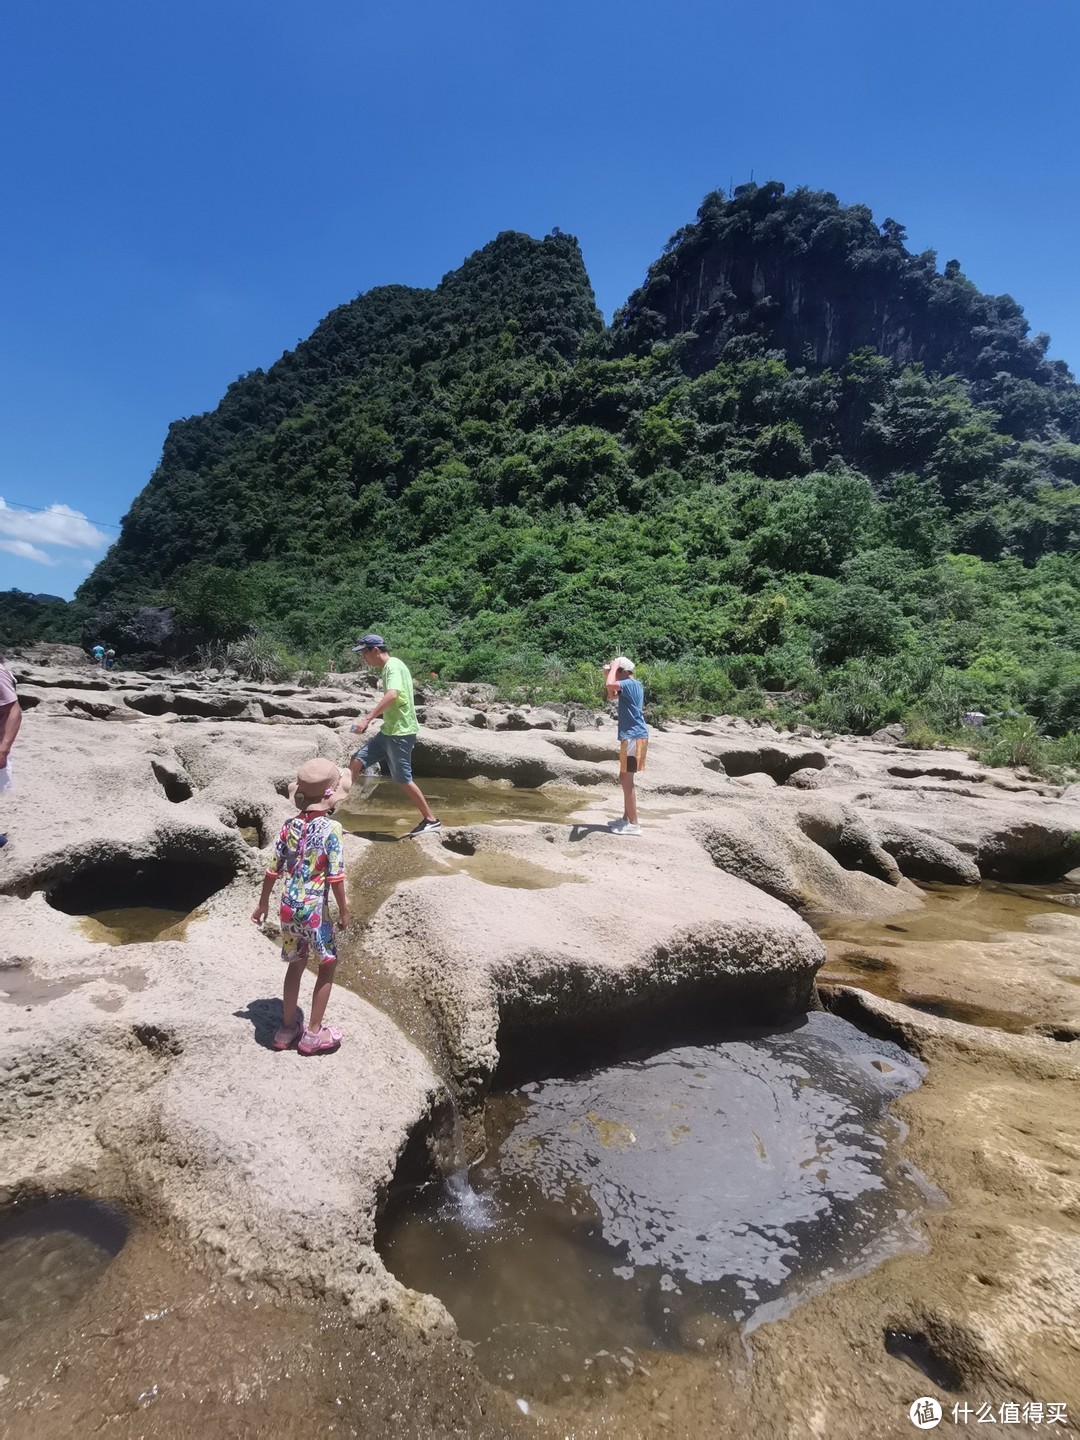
821	281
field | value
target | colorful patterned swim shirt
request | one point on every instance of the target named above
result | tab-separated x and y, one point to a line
309	853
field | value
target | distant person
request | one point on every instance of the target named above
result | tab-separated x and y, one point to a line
98	652
392	748
10	720
110	659
309	852
620	685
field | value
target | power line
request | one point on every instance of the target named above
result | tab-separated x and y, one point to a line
44	509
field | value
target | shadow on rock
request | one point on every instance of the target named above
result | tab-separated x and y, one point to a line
579	832
265	1017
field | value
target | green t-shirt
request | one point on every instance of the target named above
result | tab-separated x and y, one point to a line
400	717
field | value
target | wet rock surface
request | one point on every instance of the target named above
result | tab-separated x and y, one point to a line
161	1093
1006	957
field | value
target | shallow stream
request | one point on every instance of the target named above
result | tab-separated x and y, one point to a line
903	957
378	808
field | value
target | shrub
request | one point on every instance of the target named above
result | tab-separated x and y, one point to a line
1065	751
674	687
918	735
863	622
858	698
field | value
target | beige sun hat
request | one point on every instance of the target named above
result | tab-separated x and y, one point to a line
319	786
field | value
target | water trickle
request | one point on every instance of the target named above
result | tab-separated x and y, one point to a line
460	1202
21	985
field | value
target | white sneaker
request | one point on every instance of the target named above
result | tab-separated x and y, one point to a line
624	827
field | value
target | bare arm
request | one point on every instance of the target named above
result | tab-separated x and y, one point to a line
260	911
10	720
611	685
374	713
337	889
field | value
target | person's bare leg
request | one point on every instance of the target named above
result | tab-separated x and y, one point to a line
355	769
324	983
294	973
629	798
416	797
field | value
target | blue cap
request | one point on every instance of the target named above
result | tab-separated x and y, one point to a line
371	642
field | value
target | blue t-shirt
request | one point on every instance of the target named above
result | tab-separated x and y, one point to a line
631	705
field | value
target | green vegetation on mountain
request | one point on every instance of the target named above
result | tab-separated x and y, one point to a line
801	459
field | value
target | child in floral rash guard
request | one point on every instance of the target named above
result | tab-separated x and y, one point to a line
308	855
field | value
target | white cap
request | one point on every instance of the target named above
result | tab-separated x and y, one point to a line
622	663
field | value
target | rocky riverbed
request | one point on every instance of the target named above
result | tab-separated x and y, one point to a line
251	1297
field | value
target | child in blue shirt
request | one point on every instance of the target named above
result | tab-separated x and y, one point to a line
620	684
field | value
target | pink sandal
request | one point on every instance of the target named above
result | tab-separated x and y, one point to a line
324	1042
285	1036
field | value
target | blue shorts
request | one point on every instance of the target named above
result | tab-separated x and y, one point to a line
392	752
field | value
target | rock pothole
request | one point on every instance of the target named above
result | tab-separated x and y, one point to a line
166	881
53	1251
766	760
916	1350
1032	852
174	780
253	826
677	1193
594	751
206	706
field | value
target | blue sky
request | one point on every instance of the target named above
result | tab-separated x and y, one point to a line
188	188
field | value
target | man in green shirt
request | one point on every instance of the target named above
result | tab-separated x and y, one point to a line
392	748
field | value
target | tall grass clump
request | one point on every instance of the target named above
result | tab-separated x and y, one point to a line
255	657
1015	740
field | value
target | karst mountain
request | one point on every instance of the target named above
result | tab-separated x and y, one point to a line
799	452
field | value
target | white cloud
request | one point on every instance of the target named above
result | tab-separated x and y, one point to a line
26	551
24	532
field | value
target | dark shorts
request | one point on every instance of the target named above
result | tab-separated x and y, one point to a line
632	756
393	753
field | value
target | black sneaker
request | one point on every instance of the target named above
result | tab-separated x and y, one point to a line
424	828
